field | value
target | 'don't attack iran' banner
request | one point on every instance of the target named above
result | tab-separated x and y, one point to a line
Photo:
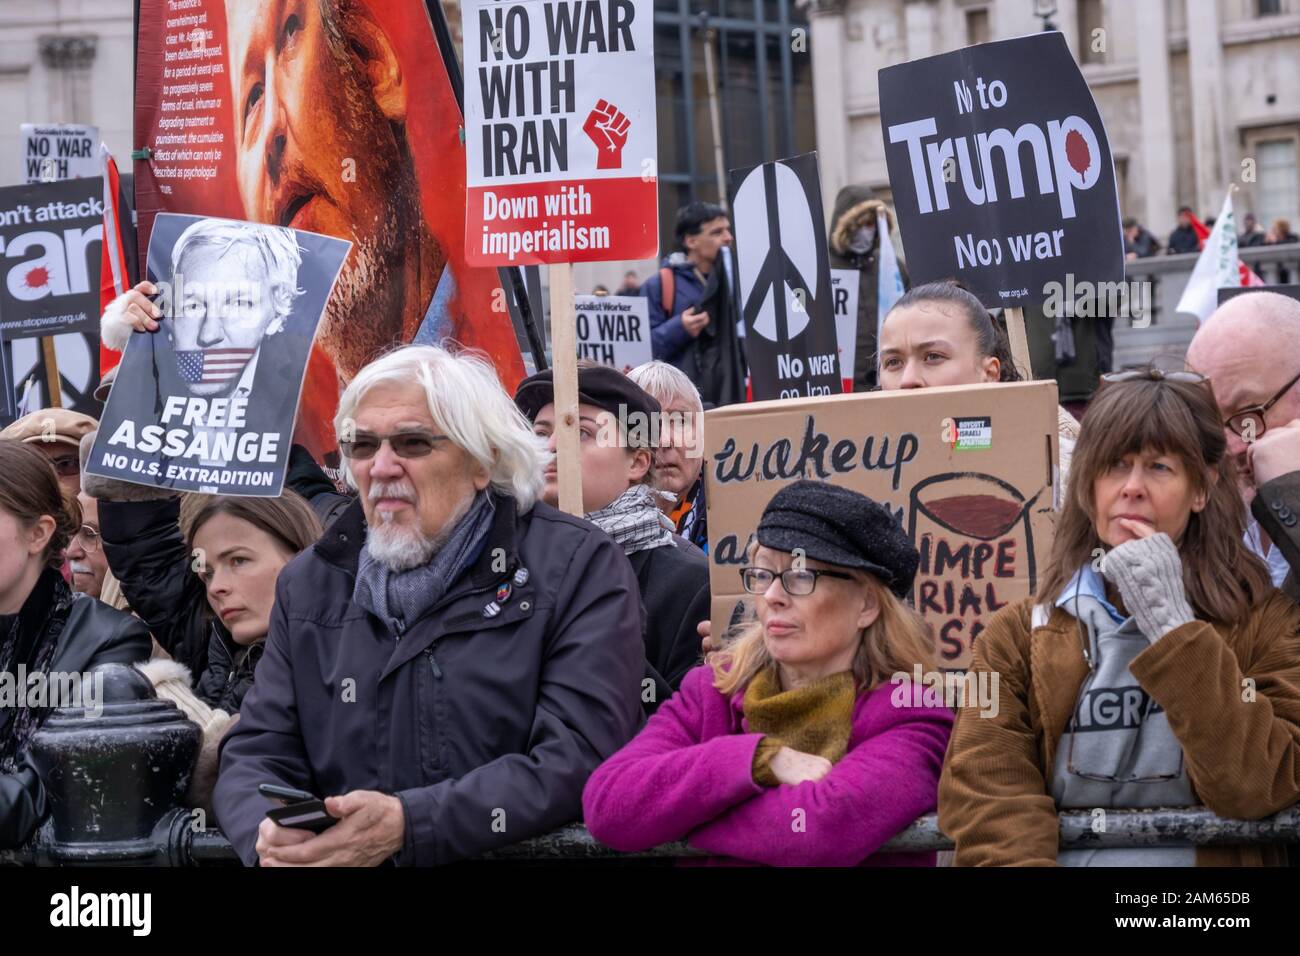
560	131
1000	168
207	402
50	236
337	117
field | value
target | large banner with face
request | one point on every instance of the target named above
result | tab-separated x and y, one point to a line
335	117
967	471
1001	171
207	402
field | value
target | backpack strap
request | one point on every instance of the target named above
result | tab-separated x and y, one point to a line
666	281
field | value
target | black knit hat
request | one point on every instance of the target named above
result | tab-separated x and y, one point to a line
840	527
598	385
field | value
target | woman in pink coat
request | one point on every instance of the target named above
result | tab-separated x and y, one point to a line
800	743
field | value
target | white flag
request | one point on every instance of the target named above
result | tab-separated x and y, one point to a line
1217	267
889	287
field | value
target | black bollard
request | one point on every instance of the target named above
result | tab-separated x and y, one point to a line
113	777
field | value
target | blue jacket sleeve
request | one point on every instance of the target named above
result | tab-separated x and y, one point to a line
668	338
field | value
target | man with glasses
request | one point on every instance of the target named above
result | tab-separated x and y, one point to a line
56	433
1250	350
86	559
453	658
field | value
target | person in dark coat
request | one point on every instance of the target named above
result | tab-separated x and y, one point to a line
200	572
855	244
1183	238
692	306
1251	233
617	419
453	658
44	627
1138	241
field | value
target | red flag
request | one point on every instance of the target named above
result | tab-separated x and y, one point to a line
1201	229
114	276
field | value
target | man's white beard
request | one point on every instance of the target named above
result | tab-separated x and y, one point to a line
401	547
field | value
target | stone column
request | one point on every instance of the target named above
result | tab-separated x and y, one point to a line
69	57
826	22
1159	171
919	22
1211	145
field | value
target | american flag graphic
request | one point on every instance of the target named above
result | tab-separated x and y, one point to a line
205	366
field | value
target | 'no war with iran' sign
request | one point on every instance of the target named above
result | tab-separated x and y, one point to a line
1001	172
560	140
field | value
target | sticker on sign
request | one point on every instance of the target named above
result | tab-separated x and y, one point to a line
560	131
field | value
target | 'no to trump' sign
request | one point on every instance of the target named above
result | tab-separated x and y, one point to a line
559	131
1001	172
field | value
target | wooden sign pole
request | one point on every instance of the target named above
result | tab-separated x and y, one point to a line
52	389
1019	342
564	365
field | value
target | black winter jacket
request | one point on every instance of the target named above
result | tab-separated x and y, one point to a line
93	634
484	717
674	586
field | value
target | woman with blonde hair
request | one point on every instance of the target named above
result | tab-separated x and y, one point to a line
792	746
1156	666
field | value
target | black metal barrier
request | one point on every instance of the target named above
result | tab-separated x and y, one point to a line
180	839
116	779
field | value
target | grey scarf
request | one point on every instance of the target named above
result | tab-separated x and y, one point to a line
634	520
400	597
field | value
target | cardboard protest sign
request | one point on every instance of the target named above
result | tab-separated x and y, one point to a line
845	289
309	139
613	329
1000	168
785	279
966	470
59	151
207	402
560	131
50	235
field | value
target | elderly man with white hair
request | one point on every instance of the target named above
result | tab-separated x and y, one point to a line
1249	349
453	658
679	458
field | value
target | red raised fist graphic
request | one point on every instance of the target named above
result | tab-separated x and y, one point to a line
607	128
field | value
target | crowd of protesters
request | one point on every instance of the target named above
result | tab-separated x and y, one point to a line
454	664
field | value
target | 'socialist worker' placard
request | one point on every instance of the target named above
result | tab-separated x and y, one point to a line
967	471
559	131
1000	168
207	402
613	329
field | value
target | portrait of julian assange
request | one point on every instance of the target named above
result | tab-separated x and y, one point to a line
208	400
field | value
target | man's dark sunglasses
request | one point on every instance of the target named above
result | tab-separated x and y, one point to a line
404	444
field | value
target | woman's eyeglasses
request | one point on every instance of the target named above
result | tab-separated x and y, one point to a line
404	445
796	581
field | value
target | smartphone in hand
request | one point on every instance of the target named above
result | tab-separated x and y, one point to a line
299	809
